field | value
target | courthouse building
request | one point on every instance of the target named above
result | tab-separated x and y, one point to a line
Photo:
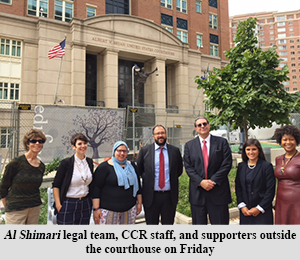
104	40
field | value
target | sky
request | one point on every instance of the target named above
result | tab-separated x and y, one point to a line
243	7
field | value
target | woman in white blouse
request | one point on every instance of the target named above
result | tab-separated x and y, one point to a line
71	185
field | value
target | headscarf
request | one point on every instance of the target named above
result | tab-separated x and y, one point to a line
126	176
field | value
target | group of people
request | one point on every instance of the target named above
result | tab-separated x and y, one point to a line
115	192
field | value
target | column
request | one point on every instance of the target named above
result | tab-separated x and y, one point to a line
110	79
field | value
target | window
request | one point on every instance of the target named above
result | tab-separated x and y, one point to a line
214	50
213	21
5	1
182	35
282	35
166	19
281	24
10	47
280	18
37	8
214	45
63	11
282	41
199	41
213	3
169	29
283	53
90	11
198	6
4	137
182	24
181	6
117	6
9	91
281	30
166	3
283	47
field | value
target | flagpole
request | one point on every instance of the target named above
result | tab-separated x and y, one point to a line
55	96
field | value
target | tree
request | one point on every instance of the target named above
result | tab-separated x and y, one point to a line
99	126
248	92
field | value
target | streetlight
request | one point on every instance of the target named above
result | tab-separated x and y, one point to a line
133	69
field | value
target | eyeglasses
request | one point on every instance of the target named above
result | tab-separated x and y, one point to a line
161	133
203	124
122	151
34	141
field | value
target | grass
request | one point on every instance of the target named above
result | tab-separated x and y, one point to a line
183	205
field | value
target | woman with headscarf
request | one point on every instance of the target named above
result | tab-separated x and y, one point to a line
116	189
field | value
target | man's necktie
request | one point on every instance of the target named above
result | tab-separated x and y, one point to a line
205	157
161	181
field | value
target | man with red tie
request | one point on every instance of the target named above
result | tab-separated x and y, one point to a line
207	161
159	165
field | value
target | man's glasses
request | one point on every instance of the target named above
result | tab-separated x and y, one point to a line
34	141
122	151
203	124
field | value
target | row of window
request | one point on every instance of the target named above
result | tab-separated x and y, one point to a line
181	5
10	47
182	31
9	91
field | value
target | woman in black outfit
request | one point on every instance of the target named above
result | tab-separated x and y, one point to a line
71	185
255	186
116	189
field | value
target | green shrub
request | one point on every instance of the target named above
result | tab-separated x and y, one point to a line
52	166
44	208
183	205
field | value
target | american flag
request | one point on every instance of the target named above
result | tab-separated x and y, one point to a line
57	51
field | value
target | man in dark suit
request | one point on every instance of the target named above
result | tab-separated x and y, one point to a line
209	186
160	165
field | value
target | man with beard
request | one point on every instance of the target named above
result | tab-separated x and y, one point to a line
159	165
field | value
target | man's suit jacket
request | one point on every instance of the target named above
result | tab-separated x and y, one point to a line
262	185
219	165
146	170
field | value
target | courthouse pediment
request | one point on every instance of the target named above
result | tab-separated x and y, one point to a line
133	27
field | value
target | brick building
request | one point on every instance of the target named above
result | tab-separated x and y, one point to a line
104	40
283	30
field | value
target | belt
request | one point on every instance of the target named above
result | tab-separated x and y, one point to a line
80	198
162	191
